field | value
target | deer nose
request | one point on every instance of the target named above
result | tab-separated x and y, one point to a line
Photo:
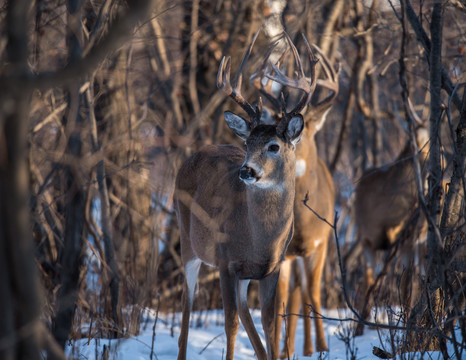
247	173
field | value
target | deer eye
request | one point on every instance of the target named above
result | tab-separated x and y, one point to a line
273	148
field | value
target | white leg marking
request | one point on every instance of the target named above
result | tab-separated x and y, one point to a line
243	292
285	270
191	270
302	270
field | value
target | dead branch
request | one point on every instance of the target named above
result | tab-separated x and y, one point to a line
422	37
118	33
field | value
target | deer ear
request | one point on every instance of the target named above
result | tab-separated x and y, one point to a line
294	129
240	126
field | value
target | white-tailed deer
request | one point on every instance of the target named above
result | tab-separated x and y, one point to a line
307	252
235	211
385	200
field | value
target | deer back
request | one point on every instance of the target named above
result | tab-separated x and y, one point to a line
387	195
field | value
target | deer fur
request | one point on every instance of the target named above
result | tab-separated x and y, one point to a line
385	200
235	211
240	223
301	272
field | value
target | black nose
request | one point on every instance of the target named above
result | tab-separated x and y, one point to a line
247	173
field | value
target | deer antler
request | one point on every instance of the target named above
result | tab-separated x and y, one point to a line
330	83
258	77
223	82
306	84
300	82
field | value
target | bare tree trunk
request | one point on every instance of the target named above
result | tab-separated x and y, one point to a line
453	209
111	270
435	256
369	109
422	37
435	261
19	289
71	256
452	226
429	311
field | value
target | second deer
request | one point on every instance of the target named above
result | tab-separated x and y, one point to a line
301	272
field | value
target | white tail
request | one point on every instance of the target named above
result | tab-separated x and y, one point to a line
235	211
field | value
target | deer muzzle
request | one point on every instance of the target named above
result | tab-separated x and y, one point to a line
248	175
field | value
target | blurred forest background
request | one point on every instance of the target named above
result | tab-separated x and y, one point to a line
101	100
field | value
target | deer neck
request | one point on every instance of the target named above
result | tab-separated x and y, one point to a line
406	161
267	208
270	215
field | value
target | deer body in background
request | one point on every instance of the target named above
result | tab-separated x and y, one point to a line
235	211
385	201
308	248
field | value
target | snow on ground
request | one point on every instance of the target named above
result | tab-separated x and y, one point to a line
207	340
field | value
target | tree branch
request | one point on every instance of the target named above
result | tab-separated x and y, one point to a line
118	33
422	37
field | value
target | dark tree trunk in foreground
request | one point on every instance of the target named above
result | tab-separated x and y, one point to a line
19	285
443	298
71	255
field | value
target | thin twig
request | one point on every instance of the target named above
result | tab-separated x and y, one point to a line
153	330
340	263
210	342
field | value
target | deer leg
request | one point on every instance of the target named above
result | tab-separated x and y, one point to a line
314	269
246	319
302	286
308	349
407	279
191	273
267	292
229	288
294	304
281	300
368	282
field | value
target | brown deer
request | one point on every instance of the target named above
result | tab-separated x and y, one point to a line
385	200
308	248
235	209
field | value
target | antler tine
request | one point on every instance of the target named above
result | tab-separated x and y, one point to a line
223	82
281	78
329	71
239	74
258	76
331	81
308	94
223	74
296	57
301	82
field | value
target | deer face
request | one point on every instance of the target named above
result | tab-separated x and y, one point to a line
269	150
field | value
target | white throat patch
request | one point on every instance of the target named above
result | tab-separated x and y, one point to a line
300	167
